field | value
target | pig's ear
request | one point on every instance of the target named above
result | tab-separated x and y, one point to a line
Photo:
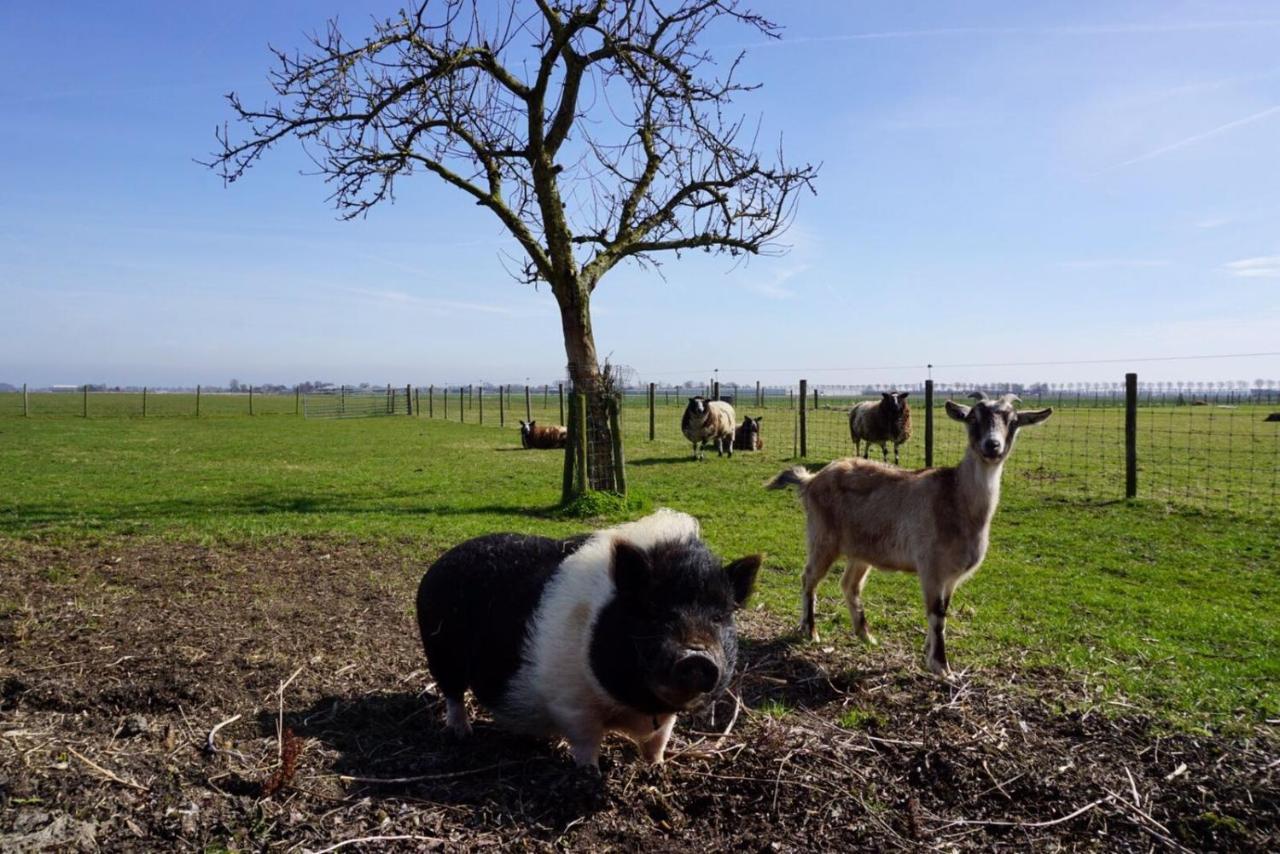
742	575
631	570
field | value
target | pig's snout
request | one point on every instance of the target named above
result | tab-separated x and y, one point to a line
696	671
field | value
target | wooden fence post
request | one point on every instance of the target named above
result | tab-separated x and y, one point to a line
480	402
408	399
570	454
26	404
804	423
197	400
615	430
1130	435
652	396
528	407
759	397
928	423
144	401
84	403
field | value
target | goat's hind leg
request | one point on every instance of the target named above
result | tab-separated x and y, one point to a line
821	555
852	582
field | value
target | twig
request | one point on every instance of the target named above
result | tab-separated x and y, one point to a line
1163	837
1027	824
280	719
403	838
209	745
449	775
104	772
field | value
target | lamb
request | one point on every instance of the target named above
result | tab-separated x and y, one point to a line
705	420
747	437
883	421
935	522
533	436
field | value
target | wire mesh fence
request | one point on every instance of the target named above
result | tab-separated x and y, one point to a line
1204	445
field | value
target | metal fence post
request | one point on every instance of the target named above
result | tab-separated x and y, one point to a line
84	404
804	425
480	402
652	396
1130	435
144	401
928	423
528	406
26	405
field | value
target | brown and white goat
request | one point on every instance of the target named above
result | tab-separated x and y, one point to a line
533	436
880	422
934	522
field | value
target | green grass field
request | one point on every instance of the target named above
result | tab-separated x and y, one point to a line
1168	609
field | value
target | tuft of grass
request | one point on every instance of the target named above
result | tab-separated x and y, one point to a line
774	708
856	718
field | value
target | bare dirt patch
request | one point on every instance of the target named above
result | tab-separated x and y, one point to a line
117	661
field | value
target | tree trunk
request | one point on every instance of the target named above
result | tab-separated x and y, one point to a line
584	373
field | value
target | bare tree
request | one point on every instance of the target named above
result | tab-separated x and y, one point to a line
595	132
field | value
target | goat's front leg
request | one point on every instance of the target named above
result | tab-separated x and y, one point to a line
937	599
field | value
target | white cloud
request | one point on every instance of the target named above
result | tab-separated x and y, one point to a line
773	288
1262	267
1214	222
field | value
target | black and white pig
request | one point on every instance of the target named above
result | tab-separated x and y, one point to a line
617	631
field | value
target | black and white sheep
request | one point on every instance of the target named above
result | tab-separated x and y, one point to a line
881	422
747	437
709	421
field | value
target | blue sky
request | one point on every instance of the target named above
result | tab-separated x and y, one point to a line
1001	183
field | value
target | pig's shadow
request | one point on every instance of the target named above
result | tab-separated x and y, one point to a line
381	738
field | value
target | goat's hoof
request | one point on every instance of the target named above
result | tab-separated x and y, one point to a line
940	670
868	638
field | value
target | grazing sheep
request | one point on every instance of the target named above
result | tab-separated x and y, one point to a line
533	436
747	437
880	422
934	522
708	420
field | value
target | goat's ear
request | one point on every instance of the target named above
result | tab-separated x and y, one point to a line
631	571
1027	417
957	411
977	395
742	575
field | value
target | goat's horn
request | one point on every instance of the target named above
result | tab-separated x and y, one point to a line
1010	398
977	395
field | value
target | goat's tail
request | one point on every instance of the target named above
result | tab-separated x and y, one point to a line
795	476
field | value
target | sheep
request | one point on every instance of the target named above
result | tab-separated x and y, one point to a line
934	522
883	421
533	436
747	437
705	420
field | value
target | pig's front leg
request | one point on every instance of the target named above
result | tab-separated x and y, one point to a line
584	734
653	748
